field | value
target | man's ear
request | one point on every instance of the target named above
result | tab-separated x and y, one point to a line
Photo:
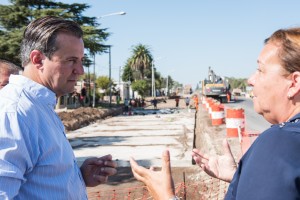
295	85
37	58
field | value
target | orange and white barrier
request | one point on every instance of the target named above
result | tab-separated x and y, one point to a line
211	102
203	102
217	114
208	100
235	121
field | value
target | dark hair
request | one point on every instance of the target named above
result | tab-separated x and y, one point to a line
41	35
289	52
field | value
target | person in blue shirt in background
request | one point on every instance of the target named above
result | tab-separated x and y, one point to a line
270	169
36	158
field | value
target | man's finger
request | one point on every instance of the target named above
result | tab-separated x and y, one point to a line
100	179
109	171
106	157
111	163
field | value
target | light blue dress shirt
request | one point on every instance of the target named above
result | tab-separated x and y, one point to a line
36	159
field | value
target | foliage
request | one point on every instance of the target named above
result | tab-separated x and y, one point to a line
16	16
240	83
168	80
141	59
157	77
148	73
87	77
141	86
103	82
127	74
158	80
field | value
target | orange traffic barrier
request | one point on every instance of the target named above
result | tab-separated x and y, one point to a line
210	105
217	114
208	100
203	102
235	121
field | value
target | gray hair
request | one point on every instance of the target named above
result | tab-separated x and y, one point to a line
41	35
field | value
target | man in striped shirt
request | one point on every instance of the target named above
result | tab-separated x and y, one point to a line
36	159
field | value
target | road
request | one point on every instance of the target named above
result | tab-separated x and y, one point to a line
143	137
146	136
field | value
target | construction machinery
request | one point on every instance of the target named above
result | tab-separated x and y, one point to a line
216	87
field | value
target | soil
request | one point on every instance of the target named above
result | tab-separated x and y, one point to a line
76	118
190	182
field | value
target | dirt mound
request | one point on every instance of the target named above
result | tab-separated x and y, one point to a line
83	116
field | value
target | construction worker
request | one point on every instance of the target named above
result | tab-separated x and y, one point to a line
196	101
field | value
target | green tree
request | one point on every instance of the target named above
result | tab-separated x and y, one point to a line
240	83
157	76
141	86
141	59
103	82
16	16
127	74
168	80
158	80
171	82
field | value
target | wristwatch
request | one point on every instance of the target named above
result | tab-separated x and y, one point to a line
175	198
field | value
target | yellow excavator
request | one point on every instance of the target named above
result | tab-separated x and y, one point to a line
216	87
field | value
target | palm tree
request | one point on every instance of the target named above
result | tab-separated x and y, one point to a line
141	59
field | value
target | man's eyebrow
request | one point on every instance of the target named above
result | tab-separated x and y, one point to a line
72	57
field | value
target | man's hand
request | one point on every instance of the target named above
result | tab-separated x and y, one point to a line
159	183
221	167
95	171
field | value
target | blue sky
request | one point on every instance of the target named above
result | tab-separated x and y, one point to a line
185	37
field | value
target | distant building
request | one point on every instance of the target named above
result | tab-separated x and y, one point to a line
187	89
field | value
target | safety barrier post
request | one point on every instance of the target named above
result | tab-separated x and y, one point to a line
217	114
235	119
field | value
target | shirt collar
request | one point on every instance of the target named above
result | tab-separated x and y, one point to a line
294	118
34	88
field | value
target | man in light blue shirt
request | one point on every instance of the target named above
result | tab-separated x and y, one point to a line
36	159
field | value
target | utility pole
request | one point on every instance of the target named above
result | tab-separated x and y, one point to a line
153	81
167	85
109	74
94	88
107	15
